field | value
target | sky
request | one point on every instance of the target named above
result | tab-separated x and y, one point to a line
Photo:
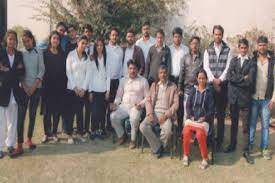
236	16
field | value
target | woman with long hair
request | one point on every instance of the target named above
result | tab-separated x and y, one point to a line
99	89
54	86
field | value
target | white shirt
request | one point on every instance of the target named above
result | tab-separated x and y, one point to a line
99	77
90	49
132	91
177	55
11	60
206	63
146	45
243	58
114	60
128	55
77	71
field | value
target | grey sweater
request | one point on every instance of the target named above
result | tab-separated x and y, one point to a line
34	65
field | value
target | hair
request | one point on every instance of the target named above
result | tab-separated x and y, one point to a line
177	30
103	52
88	27
163	66
50	37
219	27
114	29
243	41
80	38
130	30
193	38
262	39
146	23
61	24
71	26
132	62
28	33
10	31
160	31
202	71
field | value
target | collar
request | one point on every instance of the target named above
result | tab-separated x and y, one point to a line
163	45
245	57
219	47
113	46
164	84
197	88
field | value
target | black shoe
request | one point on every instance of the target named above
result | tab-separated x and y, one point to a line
248	158
219	148
10	151
92	136
159	152
1	154
100	134
231	148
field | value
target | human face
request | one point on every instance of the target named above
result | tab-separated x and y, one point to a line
81	45
113	37
218	35
130	37
177	39
27	42
146	30
162	75
160	39
99	47
243	50
72	33
201	80
61	30
88	33
194	46
11	41
55	41
262	48
132	71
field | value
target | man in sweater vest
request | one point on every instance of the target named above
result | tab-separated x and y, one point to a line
263	94
216	63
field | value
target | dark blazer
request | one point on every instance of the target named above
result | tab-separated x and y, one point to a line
11	77
239	89
137	57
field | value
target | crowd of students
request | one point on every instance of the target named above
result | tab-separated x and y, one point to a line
99	85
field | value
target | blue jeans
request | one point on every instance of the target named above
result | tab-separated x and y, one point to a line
260	107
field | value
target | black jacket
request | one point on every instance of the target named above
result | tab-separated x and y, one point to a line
239	89
270	77
11	77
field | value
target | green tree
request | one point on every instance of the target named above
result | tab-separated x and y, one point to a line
103	14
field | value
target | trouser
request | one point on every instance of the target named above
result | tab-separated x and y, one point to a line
8	120
153	140
220	105
201	136
260	107
122	113
87	118
235	112
113	89
51	121
98	108
32	103
77	103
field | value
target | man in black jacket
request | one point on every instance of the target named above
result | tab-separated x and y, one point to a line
12	71
239	96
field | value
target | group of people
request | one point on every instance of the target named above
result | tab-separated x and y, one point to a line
145	81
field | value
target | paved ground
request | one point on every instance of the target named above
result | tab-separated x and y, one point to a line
103	161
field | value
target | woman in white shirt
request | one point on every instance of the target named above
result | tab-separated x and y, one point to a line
99	89
77	73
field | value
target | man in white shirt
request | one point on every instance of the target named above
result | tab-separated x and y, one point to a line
216	62
130	99
114	62
178	51
146	41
